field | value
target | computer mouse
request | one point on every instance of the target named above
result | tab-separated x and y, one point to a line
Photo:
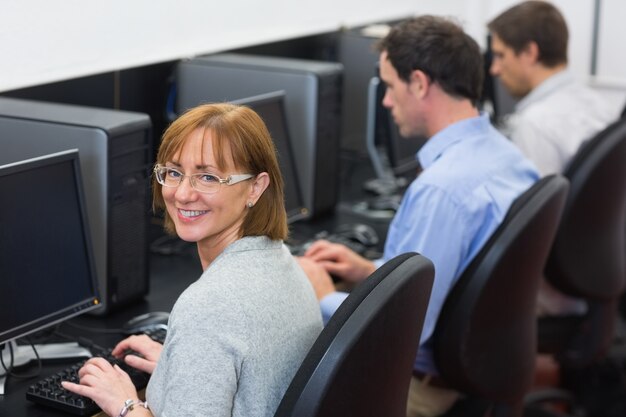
143	322
359	232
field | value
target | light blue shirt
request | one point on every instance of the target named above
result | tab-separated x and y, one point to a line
471	175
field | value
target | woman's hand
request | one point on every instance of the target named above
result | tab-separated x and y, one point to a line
144	352
109	386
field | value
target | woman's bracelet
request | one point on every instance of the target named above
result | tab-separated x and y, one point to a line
130	404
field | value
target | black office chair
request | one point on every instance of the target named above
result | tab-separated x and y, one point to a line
361	363
485	338
588	258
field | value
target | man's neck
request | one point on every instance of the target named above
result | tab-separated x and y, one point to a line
542	73
449	111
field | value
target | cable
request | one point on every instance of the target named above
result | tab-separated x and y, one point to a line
9	369
6	346
82	341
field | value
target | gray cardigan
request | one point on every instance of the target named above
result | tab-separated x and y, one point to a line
237	335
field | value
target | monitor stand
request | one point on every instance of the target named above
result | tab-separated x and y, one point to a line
23	354
388	192
385	186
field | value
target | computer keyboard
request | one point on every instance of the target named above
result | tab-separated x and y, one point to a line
365	250
49	392
300	248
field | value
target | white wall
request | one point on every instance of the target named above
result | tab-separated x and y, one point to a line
44	41
611	68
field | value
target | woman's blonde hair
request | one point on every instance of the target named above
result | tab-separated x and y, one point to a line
241	131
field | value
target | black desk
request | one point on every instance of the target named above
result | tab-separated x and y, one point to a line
355	170
169	276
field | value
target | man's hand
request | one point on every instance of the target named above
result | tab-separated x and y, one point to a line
340	261
320	279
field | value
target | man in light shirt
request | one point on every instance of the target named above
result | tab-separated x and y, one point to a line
556	113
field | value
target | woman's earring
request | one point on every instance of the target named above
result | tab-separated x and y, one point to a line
250	204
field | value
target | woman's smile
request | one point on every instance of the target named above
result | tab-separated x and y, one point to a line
190	214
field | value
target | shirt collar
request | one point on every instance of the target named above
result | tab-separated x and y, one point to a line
438	143
547	87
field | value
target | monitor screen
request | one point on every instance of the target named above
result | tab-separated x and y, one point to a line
401	151
270	107
47	270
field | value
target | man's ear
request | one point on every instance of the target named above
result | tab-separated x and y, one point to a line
419	83
530	52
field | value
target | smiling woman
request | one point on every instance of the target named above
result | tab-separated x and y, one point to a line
224	140
218	181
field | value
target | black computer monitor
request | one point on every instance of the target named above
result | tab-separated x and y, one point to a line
400	151
47	270
271	108
393	157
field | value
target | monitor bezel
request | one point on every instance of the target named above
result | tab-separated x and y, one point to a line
93	301
279	96
401	162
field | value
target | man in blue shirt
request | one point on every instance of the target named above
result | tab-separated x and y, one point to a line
471	174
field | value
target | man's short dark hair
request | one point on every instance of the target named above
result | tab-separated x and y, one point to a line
534	21
441	49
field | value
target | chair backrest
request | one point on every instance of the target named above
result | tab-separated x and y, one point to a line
361	363
485	337
587	259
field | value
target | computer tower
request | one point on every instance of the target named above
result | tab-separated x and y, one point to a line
115	150
313	103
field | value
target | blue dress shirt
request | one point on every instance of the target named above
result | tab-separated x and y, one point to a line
471	175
